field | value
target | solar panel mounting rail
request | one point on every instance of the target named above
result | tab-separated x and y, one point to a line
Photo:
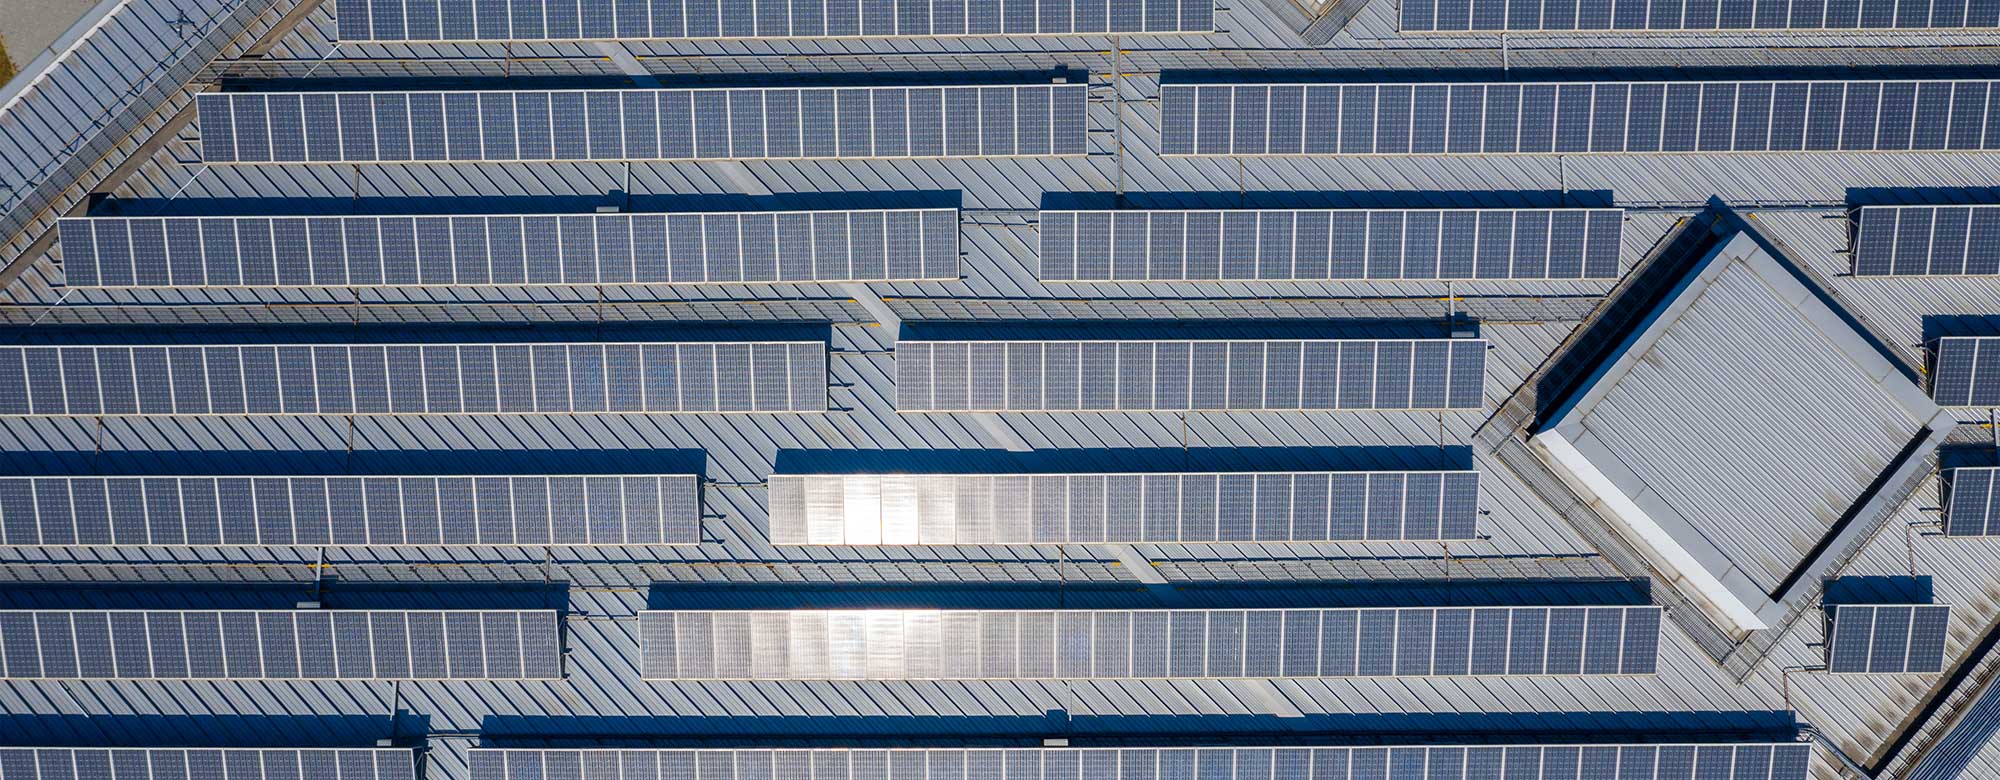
1314	245
1171	508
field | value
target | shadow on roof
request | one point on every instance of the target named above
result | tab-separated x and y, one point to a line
1331	199
355	463
1458	592
1120	460
234	730
535	204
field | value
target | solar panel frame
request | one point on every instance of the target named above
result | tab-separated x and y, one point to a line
1531	16
744	19
389	379
1965	371
49	763
1305	245
1886	638
274	643
490	250
1926	241
1558	118
230	511
1737	761
1971	506
1198	376
947	509
692	124
1096	644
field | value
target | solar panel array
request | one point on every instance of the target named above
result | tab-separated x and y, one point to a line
1782	761
1886	639
269	645
1927	241
867	509
536	20
581	249
359	511
1285	245
642	124
1122	644
1640	15
1966	372
206	764
1132	376
342	379
1575	118
1972	507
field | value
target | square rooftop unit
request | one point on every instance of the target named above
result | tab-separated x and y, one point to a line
1743	437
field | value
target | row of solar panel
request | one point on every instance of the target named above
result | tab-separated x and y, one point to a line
1275	245
206	764
803	246
1972	505
1885	639
414	379
867	509
537	20
1927	240
1642	15
263	645
1120	644
1781	761
642	124
1965	371
534	510
1572	118
995	376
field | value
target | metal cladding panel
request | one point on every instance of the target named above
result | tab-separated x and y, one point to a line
397	379
524	20
1927	241
206	764
1728	16
1332	245
1154	508
1139	376
1578	118
1966	372
276	645
1886	638
484	251
1148	644
649	124
1768	761
350	511
1972	502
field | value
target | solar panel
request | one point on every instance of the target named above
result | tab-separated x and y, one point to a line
1131	376
380	379
1886	639
206	764
1125	644
1191	508
1740	761
1767	15
1578	118
649	124
269	645
385	20
1966	371
594	510
710	248
1927	241
1971	506
1288	245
